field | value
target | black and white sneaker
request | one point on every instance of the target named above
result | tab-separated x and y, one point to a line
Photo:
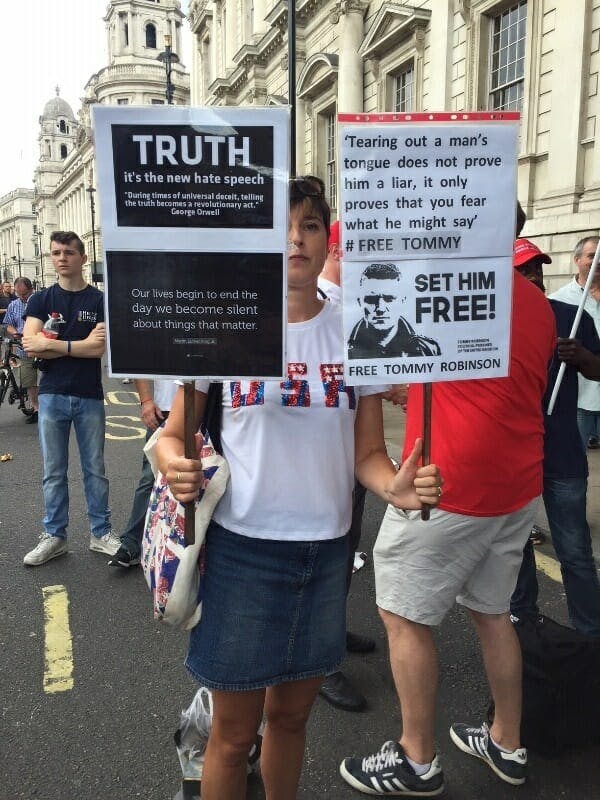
123	558
511	766
389	773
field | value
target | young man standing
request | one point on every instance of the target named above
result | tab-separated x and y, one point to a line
70	393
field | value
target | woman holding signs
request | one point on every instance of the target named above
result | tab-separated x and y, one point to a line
273	620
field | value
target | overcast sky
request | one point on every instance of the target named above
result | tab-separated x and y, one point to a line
45	43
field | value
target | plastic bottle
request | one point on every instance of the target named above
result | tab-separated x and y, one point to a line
52	325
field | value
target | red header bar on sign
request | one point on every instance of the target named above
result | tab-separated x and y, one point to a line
443	116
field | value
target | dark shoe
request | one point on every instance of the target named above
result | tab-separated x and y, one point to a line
339	692
593	443
388	773
123	558
538	535
32	418
511	767
359	644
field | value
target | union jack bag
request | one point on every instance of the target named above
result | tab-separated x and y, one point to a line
173	570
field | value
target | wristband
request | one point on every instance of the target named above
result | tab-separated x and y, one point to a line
69	347
147	400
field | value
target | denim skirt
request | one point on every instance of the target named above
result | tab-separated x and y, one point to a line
272	611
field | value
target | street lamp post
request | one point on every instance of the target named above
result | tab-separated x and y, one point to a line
5	265
91	191
168	57
39	268
18	243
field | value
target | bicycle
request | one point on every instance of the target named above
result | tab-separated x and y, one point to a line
11	389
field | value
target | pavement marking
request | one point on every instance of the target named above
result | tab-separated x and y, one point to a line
133	431
549	566
121	398
58	648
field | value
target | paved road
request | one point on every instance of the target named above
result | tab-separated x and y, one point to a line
110	736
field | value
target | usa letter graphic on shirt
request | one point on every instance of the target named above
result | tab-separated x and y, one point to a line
332	376
255	396
296	391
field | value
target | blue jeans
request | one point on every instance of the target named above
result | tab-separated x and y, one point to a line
132	535
588	423
565	502
56	414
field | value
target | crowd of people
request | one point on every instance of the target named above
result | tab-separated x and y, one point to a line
278	559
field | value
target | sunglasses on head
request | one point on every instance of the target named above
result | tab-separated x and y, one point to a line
307	186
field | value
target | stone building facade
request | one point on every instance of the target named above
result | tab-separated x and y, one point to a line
19	242
64	180
541	57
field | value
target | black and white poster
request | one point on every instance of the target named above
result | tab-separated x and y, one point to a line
203	314
180	175
427	206
194	222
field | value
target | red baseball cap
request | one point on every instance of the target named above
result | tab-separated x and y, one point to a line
334	234
524	251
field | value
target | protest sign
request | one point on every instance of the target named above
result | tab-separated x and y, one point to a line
427	214
194	212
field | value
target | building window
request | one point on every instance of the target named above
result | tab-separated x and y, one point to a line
151	36
404	83
122	101
331	164
507	62
126	33
63	151
156	102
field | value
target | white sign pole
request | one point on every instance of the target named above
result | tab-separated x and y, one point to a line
576	321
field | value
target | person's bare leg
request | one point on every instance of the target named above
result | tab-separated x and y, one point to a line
287	708
236	717
32	391
502	660
414	665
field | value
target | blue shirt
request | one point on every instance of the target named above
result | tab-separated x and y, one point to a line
564	454
15	316
82	310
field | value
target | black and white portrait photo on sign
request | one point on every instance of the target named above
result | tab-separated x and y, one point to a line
382	329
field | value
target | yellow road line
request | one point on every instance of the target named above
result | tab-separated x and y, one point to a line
549	566
58	649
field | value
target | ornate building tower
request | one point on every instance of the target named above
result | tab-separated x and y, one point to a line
64	179
57	141
136	31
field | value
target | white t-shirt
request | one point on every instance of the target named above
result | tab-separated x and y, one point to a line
332	291
290	444
164	392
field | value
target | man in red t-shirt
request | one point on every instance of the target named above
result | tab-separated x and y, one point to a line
487	438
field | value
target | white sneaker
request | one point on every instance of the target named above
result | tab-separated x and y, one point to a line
48	547
109	543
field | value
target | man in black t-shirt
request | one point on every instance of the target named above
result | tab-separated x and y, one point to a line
70	393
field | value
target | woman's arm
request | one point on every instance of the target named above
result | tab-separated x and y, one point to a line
184	475
409	487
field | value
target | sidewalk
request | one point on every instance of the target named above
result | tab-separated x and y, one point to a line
393	418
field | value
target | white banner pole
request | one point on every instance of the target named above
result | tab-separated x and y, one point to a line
576	321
